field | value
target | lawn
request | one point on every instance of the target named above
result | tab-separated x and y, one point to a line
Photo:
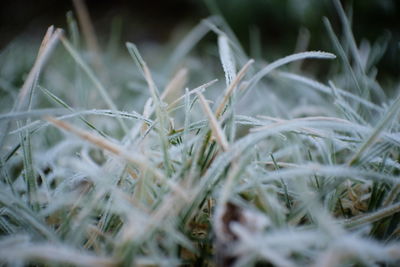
194	154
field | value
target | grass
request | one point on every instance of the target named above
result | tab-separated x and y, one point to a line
111	160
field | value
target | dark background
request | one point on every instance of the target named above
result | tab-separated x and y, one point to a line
277	21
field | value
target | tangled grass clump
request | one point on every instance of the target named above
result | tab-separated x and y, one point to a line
99	167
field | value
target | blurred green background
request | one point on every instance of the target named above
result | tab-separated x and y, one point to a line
275	23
